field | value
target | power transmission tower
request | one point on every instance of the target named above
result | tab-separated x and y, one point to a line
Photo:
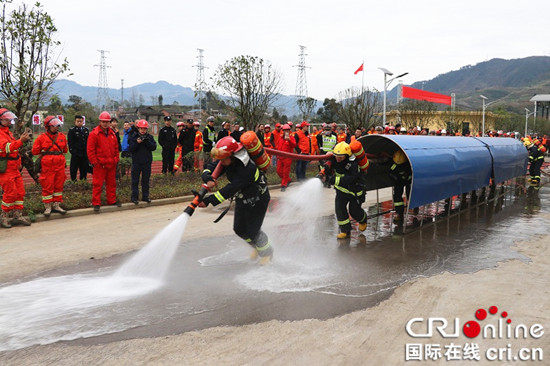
102	91
301	82
200	84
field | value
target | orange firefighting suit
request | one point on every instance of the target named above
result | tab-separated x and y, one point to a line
52	176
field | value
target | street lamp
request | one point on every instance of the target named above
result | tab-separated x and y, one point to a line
483	98
527	114
386	85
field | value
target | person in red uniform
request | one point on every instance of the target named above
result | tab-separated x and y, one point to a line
303	147
103	155
11	180
286	143
269	138
197	148
51	146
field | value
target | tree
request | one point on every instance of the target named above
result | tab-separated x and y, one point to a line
28	66
55	107
358	106
306	106
330	110
160	100
251	85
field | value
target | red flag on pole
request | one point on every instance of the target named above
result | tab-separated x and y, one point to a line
359	69
412	93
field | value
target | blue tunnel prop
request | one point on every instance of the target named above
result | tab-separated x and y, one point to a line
444	166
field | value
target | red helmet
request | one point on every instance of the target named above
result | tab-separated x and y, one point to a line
226	147
141	123
105	116
267	126
305	124
290	123
277	125
286	127
52	121
4	113
180	124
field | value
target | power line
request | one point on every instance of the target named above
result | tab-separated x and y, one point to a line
102	88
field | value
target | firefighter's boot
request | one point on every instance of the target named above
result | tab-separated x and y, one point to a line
254	254
48	209
57	208
5	221
18	218
343	235
265	260
362	226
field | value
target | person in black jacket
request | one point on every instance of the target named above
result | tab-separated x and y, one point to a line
168	140
141	146
77	140
248	184
187	141
343	172
225	131
401	174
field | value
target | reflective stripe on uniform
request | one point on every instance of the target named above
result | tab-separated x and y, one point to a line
256	175
398	204
57	194
45	198
344	222
264	248
4	203
8	148
219	196
364	166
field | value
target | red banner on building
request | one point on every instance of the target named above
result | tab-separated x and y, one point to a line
412	93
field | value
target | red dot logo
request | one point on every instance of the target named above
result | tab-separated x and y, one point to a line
481	314
471	329
493	310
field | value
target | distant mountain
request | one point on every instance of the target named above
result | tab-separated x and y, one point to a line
182	95
169	92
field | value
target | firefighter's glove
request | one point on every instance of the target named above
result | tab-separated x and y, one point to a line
204	203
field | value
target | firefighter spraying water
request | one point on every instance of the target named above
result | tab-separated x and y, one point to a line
247	186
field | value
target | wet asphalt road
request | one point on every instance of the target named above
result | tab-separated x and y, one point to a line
211	282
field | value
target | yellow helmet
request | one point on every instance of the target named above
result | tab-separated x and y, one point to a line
342	148
526	142
399	157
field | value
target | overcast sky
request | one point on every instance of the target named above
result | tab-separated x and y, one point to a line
150	41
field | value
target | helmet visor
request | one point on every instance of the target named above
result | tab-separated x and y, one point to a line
9	116
55	122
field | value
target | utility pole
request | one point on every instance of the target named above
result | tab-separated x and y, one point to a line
122	92
200	84
102	88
